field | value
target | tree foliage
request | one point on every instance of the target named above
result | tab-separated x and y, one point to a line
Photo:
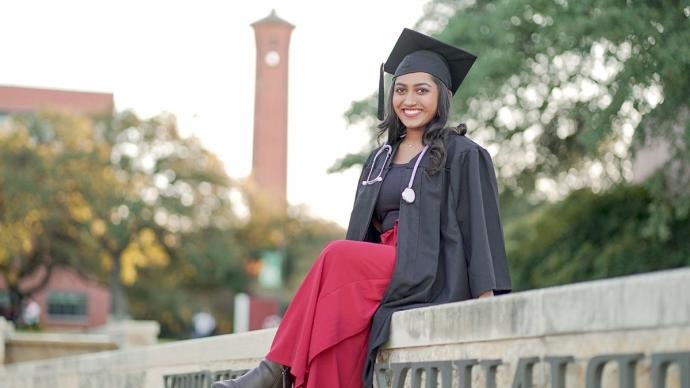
177	194
592	236
298	235
111	196
133	204
564	93
49	172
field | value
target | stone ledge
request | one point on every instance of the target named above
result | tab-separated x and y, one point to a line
245	346
55	338
650	300
641	313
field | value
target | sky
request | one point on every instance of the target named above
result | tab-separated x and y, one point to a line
197	61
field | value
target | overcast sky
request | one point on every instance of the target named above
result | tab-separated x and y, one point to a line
196	60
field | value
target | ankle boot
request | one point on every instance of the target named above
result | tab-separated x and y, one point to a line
267	375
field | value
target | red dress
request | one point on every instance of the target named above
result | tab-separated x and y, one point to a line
323	336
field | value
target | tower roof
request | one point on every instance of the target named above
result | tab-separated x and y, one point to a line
273	18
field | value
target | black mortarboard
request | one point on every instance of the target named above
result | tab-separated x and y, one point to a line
414	52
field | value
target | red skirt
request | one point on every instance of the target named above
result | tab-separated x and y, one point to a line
323	335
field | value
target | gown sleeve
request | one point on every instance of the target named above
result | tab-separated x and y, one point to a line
480	224
362	174
371	234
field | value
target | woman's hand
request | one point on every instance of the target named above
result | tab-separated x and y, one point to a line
377	224
487	293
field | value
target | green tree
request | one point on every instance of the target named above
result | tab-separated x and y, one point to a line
592	236
110	197
564	93
176	193
131	202
49	170
306	236
297	234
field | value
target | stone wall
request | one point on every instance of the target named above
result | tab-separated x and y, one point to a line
639	322
18	347
639	317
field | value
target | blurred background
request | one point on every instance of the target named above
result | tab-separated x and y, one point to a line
172	163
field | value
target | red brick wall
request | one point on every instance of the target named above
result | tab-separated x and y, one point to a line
22	100
68	280
269	164
259	310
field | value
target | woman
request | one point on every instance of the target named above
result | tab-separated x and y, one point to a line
425	229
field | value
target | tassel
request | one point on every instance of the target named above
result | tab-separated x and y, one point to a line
380	110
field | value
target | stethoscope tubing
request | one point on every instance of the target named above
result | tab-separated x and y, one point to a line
379	177
409	197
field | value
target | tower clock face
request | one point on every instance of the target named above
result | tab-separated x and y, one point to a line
272	58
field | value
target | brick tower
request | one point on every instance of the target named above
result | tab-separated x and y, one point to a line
269	161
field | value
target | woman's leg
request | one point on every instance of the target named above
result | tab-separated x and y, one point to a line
333	306
340	365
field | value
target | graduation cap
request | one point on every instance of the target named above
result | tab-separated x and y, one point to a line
416	52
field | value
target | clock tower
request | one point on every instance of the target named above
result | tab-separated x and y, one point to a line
269	159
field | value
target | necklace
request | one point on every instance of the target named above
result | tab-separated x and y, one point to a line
410	144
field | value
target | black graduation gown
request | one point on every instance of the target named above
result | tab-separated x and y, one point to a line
450	239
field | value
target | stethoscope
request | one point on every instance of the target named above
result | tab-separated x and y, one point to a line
407	194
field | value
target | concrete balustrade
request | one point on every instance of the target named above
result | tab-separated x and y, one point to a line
579	335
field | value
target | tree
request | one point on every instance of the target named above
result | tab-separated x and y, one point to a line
592	236
109	197
564	93
131	202
299	236
176	192
49	169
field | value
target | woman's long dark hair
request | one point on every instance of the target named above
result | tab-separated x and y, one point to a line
436	131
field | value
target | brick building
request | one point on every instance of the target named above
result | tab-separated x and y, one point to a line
15	99
70	301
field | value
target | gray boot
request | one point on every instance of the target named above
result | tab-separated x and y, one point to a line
267	375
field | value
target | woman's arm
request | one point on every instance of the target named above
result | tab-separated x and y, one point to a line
480	224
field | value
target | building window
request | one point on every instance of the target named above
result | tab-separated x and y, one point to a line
4	299
67	305
5	305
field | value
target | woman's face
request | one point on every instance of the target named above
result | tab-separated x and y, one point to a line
415	99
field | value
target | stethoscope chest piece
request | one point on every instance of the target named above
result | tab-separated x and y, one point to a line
408	195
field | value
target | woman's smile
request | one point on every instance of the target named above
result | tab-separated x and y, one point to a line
411	112
415	99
